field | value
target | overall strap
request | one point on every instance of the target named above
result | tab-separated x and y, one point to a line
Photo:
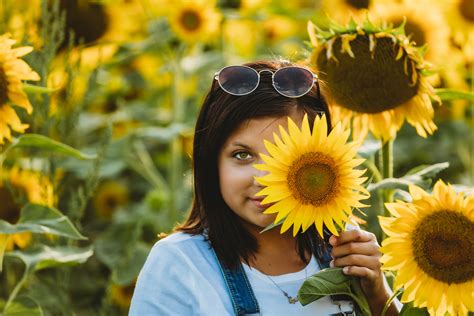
323	256
240	290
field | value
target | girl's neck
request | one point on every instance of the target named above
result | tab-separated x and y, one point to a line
277	253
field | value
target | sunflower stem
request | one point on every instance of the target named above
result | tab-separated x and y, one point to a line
17	288
387	169
377	176
176	165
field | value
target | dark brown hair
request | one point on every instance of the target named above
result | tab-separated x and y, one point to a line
220	115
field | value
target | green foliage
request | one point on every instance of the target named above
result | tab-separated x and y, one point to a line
41	219
333	281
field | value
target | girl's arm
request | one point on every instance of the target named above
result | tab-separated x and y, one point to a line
357	251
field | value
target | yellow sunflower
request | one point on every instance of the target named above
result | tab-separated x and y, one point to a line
110	196
425	24
31	186
195	21
376	78
312	177
431	246
12	71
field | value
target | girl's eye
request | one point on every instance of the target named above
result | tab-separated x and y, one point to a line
242	155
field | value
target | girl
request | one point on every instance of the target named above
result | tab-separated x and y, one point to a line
218	262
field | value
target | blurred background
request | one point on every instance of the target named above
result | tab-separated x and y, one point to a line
123	81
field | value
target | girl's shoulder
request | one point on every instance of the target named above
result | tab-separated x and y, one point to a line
180	245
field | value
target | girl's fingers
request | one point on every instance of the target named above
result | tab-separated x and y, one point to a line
350	236
369	262
362	272
363	248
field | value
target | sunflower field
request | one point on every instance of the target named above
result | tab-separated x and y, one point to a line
98	101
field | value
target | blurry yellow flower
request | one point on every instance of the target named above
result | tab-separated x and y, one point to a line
110	196
311	177
240	36
12	71
279	27
122	295
342	10
459	14
376	81
425	24
252	6
431	246
195	20
31	186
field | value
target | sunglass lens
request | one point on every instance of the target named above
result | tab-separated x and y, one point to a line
293	81
238	80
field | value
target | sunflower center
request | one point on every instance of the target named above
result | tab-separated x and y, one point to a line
443	246
466	7
3	87
372	82
359	4
9	210
190	20
312	178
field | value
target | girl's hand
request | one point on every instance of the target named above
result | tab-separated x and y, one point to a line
357	251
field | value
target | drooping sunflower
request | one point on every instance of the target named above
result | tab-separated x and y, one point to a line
376	78
195	21
311	177
431	246
28	185
12	71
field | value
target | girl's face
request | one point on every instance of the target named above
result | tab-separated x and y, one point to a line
236	172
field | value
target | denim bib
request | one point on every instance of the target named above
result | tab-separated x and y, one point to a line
241	293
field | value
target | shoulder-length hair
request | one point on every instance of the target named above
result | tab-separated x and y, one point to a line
220	115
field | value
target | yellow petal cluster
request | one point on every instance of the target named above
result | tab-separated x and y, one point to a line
12	71
431	246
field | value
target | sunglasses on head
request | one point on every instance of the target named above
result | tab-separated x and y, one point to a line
291	82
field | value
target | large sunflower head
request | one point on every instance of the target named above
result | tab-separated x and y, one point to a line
22	185
12	71
375	75
195	21
311	176
431	246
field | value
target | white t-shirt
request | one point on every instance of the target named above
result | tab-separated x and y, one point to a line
181	276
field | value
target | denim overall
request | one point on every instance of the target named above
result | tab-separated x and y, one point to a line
241	293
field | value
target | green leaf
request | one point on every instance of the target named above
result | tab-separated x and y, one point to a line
369	148
273	225
452	94
333	281
43	220
427	171
389	183
48	257
128	267
23	306
46	143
